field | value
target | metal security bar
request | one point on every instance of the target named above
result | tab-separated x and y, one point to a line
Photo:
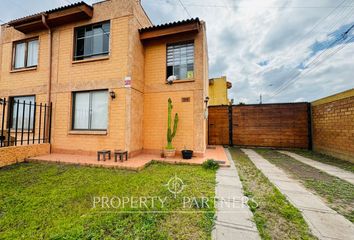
24	123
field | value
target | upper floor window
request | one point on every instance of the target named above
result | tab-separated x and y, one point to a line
92	41
180	60
25	54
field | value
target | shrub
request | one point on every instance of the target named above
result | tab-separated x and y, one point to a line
211	164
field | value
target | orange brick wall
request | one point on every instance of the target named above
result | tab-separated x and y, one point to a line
126	59
333	127
133	113
11	155
191	132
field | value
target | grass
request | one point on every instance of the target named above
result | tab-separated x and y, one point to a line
337	193
275	217
326	159
49	201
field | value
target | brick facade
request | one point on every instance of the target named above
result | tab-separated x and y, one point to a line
137	117
333	125
11	155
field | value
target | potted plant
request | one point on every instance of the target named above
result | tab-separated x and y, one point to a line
186	153
169	150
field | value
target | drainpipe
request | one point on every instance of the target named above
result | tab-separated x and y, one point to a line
49	85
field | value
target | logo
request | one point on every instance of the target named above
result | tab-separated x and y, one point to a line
175	185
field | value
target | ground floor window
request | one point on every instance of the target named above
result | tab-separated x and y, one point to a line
21	112
90	110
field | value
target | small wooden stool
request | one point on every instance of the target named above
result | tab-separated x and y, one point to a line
121	154
103	153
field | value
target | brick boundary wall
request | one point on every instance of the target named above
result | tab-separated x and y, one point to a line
333	125
11	155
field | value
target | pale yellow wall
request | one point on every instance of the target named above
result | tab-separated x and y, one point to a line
218	91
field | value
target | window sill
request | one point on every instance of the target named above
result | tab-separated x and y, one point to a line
90	60
23	69
87	132
182	81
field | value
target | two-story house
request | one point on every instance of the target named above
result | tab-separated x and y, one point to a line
104	68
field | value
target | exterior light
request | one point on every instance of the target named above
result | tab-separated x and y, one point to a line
206	112
206	100
112	94
1	101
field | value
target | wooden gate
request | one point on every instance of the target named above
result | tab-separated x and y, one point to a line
218	125
284	125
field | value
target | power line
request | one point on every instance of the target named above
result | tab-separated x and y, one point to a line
185	9
237	6
328	56
328	46
317	61
310	31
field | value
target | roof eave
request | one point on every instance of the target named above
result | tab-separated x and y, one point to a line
170	29
55	17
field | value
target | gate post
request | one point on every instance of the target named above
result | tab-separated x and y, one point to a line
309	125
230	126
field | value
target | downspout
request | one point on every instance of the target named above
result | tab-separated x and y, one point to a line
49	85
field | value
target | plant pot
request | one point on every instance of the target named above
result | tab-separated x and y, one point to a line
169	153
187	154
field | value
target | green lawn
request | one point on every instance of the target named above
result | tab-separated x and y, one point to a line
49	201
326	159
338	194
275	217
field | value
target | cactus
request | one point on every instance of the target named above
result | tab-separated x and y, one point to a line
171	134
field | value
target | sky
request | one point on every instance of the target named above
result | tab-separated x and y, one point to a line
284	50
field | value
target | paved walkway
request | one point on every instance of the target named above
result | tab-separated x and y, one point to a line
331	170
324	222
233	217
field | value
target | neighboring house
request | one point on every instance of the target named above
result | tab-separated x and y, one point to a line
105	68
218	91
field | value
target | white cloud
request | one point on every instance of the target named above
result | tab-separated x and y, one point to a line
243	33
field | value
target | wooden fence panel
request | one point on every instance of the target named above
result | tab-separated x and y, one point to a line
265	125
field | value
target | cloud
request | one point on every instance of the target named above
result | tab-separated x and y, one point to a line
218	67
259	45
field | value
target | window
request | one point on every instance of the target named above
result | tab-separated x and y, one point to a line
27	118
92	41
90	110
25	54
180	60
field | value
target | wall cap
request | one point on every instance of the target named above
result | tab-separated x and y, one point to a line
334	97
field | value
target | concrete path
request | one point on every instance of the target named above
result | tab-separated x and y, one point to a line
324	222
331	170
233	217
